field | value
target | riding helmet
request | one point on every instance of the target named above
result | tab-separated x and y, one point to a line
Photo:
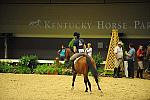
76	34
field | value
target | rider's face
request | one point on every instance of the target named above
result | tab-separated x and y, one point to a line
75	37
62	46
141	47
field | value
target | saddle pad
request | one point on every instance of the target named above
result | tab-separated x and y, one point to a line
77	59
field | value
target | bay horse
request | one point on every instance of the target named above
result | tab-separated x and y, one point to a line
83	65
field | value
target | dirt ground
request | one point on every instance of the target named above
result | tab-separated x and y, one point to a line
55	87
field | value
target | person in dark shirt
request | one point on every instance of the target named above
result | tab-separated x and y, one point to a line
131	60
78	48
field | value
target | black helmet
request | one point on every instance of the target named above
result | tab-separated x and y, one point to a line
76	34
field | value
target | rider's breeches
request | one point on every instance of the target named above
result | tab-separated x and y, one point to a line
76	55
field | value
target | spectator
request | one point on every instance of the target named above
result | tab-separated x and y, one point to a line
118	60
131	60
61	53
140	58
89	49
148	58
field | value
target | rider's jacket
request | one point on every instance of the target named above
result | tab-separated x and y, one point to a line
79	43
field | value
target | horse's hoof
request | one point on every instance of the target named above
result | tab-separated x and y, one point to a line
99	89
72	88
102	94
86	90
90	92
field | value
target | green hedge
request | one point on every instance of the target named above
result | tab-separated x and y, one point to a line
22	70
28	59
23	67
98	59
48	69
6	68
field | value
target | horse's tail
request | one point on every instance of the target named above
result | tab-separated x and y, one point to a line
91	67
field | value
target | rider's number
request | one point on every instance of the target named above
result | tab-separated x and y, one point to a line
80	43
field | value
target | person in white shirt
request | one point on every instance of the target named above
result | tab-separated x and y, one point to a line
89	50
118	51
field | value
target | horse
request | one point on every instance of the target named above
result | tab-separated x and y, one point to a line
82	66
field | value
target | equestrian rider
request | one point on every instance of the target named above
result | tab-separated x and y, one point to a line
78	48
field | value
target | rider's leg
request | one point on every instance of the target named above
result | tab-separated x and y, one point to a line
73	57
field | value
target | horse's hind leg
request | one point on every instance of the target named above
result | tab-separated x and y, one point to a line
85	81
96	79
74	77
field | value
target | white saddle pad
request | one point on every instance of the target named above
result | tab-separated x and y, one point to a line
77	59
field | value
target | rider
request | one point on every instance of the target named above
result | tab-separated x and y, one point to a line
78	48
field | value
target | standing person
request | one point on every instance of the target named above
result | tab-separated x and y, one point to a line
61	53
78	48
131	60
148	58
89	50
140	57
118	60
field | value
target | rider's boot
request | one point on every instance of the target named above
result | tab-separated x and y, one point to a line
72	64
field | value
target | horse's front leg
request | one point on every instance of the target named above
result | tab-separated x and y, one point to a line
89	84
85	81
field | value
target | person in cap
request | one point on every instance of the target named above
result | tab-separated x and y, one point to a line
78	48
118	51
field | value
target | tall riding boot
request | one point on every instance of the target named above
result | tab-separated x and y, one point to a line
141	73
138	73
115	73
72	64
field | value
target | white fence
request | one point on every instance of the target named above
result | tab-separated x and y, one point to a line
39	61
